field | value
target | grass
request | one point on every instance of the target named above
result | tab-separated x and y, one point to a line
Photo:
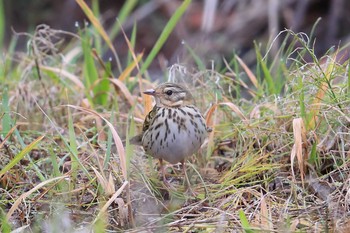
276	161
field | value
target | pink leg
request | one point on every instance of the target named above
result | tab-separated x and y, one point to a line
162	170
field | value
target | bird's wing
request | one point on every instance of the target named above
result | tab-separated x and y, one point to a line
149	118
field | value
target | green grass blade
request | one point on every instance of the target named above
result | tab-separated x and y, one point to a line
61	186
313	155
123	14
6	118
72	145
2	24
132	42
312	33
96	23
165	34
97	38
89	69
245	223
12	121
200	64
101	87
20	155
72	152
5	226
95	8
7	62
271	84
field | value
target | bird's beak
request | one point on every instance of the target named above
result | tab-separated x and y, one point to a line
150	92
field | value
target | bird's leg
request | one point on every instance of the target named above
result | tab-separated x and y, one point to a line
162	170
186	177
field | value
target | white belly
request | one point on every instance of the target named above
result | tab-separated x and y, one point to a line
175	134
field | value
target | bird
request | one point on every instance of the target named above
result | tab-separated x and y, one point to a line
174	129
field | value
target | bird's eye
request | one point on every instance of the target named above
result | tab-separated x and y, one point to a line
169	92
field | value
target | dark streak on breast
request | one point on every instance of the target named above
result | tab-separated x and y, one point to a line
181	110
169	113
158	125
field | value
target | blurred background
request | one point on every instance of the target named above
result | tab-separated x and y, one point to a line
212	28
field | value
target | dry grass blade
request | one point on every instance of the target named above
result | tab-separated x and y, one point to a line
209	115
265	215
26	194
131	49
8	135
111	200
140	79
239	81
302	222
235	109
232	106
121	86
321	92
107	185
66	74
256	113
299	133
96	24
130	67
250	74
122	211
130	98
117	140
333	108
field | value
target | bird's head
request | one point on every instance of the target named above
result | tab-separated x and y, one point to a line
170	95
